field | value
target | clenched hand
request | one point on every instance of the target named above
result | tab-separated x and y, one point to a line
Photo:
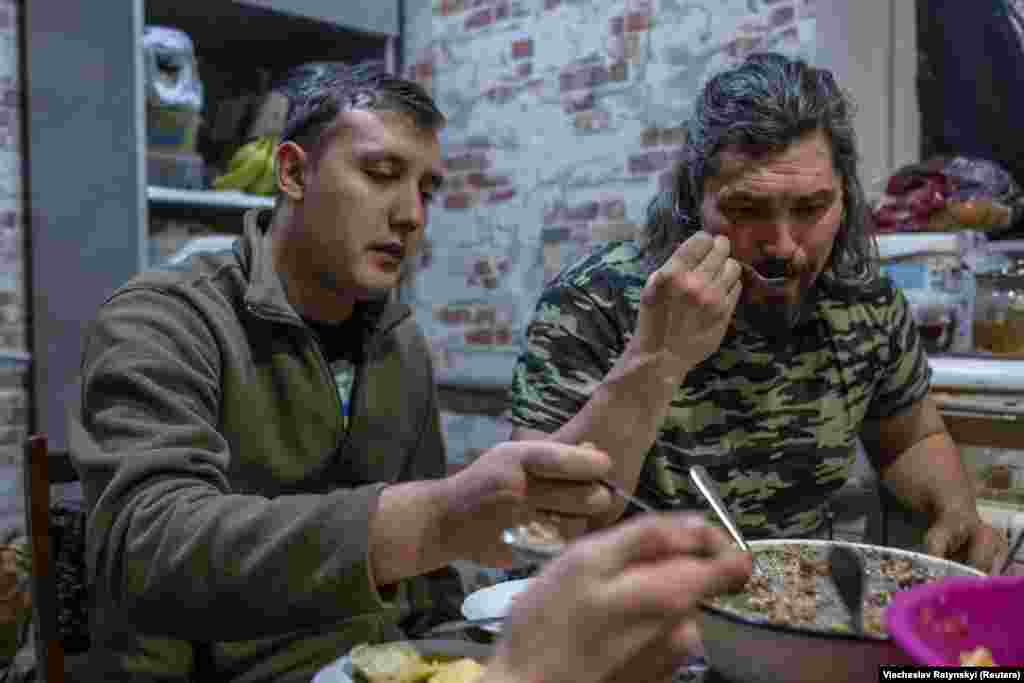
966	538
513	482
686	305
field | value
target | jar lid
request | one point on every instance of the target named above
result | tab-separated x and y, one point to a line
1011	269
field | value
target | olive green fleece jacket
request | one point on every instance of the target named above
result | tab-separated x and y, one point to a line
229	508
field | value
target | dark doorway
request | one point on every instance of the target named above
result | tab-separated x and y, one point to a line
971	81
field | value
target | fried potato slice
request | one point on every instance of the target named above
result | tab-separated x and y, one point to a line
389	663
460	671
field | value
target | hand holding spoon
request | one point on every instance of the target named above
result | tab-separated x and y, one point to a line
532	551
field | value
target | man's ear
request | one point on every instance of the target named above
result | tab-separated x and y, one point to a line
290	165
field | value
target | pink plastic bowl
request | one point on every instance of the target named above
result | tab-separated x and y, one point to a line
936	622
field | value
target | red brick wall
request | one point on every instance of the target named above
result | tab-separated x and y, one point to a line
552	143
564	120
13	319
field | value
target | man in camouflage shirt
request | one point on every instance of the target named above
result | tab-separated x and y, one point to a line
672	350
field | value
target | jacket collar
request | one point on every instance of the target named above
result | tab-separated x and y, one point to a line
265	296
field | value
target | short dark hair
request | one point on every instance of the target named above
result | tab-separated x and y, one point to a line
768	102
318	91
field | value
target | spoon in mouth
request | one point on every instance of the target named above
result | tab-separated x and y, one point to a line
773	282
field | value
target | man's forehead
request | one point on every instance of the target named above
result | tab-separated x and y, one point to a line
804	167
390	132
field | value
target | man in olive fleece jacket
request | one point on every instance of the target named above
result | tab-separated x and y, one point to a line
259	436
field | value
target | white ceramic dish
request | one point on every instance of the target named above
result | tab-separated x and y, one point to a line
340	671
492	601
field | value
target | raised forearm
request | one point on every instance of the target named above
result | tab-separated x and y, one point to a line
623	416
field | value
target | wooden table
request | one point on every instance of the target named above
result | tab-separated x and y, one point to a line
983	419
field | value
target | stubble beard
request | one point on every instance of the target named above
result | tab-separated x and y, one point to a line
774	321
330	282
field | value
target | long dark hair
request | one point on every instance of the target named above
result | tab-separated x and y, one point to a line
768	101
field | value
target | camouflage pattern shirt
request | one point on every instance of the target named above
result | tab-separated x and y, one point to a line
774	423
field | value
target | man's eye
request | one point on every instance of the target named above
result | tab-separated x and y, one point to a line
381	175
810	210
743	212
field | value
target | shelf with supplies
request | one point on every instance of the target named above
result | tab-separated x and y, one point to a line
215	200
100	233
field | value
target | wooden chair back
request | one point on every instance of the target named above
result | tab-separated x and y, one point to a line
41	469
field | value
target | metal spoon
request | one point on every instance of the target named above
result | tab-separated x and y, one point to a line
847	572
533	553
773	282
703	481
462	625
621	493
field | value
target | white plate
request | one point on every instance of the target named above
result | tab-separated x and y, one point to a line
492	601
340	671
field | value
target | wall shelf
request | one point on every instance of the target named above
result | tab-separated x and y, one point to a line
206	199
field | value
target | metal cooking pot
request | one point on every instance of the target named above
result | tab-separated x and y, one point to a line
745	650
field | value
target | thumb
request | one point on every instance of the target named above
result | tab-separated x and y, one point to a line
942	540
652	322
649	294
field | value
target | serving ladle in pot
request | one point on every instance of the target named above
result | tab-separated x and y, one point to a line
702	480
847	572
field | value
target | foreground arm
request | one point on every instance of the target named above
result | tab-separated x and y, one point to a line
907	441
921	465
619	606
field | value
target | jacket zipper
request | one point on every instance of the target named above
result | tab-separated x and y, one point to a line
325	369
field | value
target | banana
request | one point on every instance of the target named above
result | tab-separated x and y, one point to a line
267	183
247	166
242	155
243	176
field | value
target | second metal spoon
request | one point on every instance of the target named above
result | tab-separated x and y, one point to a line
706	486
621	493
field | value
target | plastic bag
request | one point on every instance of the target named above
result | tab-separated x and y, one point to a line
949	194
172	79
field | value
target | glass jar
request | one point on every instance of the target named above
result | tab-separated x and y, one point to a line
936	315
999	309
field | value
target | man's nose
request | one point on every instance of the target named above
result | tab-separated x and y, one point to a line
410	214
779	242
